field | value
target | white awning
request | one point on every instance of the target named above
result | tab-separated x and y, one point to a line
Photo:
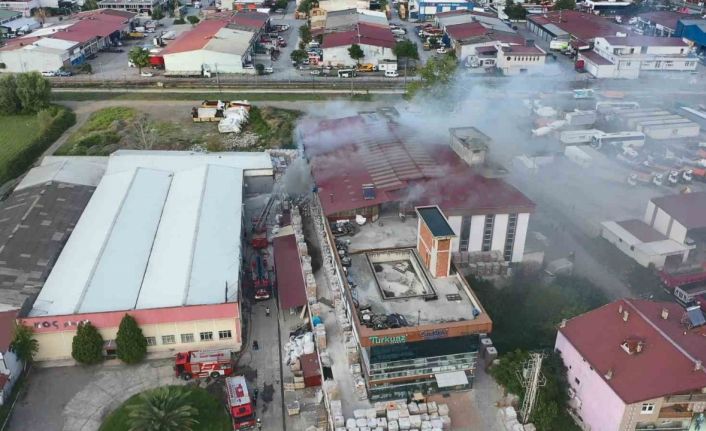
446	380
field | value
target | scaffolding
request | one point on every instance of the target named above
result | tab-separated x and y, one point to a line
532	379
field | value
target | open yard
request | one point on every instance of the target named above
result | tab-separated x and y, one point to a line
16	132
212	414
172	128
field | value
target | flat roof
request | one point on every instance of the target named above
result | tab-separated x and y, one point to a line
421	307
689	209
87	172
35	223
581	25
154	237
435	221
641	230
290	279
595	58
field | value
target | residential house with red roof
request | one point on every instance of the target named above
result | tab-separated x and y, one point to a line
636	365
627	56
364	165
376	42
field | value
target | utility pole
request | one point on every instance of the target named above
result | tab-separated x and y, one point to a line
532	379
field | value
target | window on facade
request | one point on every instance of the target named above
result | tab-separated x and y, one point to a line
151	341
647	408
187	338
488	232
224	335
465	232
510	236
206	336
508	59
168	339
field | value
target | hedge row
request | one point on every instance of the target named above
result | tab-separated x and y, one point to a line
62	119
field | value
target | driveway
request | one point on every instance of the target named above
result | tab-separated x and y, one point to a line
79	398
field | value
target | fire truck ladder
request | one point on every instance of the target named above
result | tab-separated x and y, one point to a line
262	220
532	379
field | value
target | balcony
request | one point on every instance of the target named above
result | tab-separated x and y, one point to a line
678	411
664	426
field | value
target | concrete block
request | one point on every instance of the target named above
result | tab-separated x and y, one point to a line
359	413
393	415
415	421
432	407
443	409
423	408
392	425
362	422
413	408
404	424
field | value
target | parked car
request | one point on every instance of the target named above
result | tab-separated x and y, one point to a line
315	72
391	74
269	69
441	50
49	73
147	74
64	73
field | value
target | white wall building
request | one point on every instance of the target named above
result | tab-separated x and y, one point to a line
376	42
40	55
515	60
626	57
210	46
663	235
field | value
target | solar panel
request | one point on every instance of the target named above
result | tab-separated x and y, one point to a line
368	191
696	316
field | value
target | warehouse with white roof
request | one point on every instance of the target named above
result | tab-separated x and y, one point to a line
161	240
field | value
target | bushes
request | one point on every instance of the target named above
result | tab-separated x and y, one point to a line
28	93
87	345
100	133
130	342
53	122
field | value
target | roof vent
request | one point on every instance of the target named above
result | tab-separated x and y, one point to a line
633	346
609	374
620	309
563	323
665	314
626	314
698	365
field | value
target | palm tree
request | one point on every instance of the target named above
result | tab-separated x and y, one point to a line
163	409
24	345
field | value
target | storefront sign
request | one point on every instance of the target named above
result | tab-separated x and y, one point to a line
55	324
388	340
434	334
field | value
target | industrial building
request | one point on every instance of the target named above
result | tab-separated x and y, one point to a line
659	124
223	45
135	6
66	44
693	31
159	239
368	30
666	234
659	23
424	10
367	166
572	26
416	321
627	57
635	365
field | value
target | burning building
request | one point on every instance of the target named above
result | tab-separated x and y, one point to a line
366	166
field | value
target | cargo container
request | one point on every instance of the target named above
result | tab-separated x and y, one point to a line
580	118
569	137
672	131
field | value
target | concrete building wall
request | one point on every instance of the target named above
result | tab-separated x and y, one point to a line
443	258
56	346
518	250
677	232
597	404
649	213
455	223
499	232
23	60
661	222
373	55
632	252
514	64
192	62
475	240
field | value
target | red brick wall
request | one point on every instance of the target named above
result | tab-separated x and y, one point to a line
442	258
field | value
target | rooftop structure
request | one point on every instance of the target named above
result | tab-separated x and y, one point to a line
689	209
693	30
662	23
211	35
348	19
465	16
291	291
184	214
577	25
361	34
435	221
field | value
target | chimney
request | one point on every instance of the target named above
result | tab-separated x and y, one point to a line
563	323
665	314
626	314
609	374
698	365
639	347
620	309
331	196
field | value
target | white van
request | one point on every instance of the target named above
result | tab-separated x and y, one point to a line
391	74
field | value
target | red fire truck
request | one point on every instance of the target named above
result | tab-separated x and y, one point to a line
205	363
242	408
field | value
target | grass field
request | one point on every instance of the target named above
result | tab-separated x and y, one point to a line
100	135
212	416
16	132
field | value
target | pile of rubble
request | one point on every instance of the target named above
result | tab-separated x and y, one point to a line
507	417
396	416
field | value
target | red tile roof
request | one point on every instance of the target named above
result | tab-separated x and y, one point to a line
580	25
664	18
290	281
645	41
348	153
196	38
521	49
7	329
12	44
252	20
366	35
465	30
595	58
666	364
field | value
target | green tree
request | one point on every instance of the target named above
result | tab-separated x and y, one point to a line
140	57
305	33
193	20
24	345
436	78
565	5
87	345
9	101
281	4
298	55
33	91
131	344
514	11
356	52
157	13
305	6
163	409
90	5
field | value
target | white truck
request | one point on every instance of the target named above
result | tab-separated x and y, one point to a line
574	137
